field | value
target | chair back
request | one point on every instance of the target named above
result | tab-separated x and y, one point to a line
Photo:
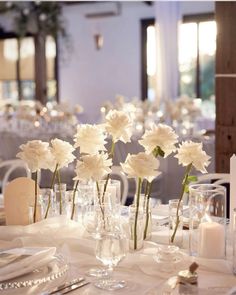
117	172
15	165
19	194
216	178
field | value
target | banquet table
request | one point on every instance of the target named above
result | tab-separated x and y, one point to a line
139	269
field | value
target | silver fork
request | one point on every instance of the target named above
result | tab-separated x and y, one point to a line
64	286
72	288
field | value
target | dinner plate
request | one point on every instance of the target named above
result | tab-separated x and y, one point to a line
18	261
55	269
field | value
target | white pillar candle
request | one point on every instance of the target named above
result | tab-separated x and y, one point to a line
211	242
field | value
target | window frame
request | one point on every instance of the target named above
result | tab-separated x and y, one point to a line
145	23
8	35
188	18
198	18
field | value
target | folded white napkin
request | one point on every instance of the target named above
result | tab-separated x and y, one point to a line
19	261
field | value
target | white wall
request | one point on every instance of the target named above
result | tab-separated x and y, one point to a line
90	77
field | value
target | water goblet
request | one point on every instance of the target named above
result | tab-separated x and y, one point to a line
110	249
95	219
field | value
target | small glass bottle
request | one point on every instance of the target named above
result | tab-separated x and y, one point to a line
234	241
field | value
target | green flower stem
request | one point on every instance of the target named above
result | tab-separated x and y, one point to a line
100	203
51	187
36	195
59	182
105	188
108	175
136	212
73	202
185	182
147	197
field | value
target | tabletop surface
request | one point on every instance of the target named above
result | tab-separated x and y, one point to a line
139	269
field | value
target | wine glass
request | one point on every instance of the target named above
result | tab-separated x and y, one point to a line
110	249
95	219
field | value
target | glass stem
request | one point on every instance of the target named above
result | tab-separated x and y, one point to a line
110	271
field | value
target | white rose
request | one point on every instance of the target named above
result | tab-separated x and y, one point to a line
142	166
90	139
119	125
93	167
62	153
191	152
36	154
162	136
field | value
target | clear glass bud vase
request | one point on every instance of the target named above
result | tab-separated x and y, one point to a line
176	223
136	227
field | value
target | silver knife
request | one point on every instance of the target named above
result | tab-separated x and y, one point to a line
65	285
72	288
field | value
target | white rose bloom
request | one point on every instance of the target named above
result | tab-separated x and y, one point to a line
90	139
119	125
142	166
191	152
162	136
36	154
62	153
93	167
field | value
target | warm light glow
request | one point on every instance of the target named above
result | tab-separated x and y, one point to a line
50	47
151	51
10	49
27	47
207	38
103	110
187	44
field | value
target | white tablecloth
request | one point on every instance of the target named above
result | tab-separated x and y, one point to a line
139	269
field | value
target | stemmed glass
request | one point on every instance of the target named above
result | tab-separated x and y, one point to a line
110	249
95	219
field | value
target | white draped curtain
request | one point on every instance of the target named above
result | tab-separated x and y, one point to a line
167	23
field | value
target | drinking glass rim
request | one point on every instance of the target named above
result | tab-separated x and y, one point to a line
173	201
211	187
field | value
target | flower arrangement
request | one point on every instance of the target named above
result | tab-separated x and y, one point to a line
189	154
36	155
61	156
160	141
141	166
96	160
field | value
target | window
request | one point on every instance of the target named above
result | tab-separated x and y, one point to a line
197	45
17	68
148	59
